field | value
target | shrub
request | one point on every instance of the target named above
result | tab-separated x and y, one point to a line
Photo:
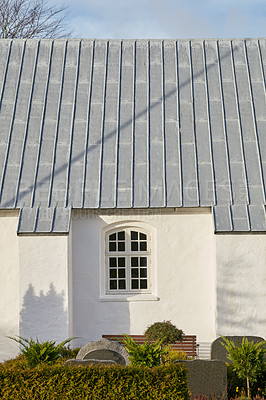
67	353
173	356
94	382
17	362
165	332
36	352
146	354
247	359
236	385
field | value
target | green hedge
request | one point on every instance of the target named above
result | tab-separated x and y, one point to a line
93	382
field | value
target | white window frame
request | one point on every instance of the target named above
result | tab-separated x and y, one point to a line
128	294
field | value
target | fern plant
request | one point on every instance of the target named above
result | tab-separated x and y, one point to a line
36	352
147	354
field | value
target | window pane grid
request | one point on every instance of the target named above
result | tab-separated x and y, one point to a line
139	273
117	273
138	241
130	272
117	241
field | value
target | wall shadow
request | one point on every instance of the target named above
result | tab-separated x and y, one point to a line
240	299
43	315
92	317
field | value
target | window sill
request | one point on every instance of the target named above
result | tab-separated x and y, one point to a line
130	297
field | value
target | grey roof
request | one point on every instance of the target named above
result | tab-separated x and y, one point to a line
133	124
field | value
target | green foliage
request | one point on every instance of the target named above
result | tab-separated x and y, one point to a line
173	356
247	359
17	362
50	382
147	354
67	353
236	385
36	352
164	331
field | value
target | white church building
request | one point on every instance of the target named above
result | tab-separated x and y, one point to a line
132	188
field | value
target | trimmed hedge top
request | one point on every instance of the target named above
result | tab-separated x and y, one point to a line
93	382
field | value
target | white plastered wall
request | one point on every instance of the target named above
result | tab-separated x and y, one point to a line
241	284
44	274
36	280
184	282
9	283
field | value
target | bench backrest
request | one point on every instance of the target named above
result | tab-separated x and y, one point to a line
188	345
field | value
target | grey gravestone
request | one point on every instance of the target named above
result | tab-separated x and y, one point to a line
207	378
104	350
218	351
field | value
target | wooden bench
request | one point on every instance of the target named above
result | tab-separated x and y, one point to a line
188	345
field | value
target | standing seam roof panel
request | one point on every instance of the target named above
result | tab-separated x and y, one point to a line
133	123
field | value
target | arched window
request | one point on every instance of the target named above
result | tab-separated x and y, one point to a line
128	260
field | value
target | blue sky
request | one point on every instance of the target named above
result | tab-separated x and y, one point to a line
166	18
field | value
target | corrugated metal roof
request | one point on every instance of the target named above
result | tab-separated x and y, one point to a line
133	123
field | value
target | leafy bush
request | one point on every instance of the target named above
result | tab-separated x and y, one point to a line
173	356
147	354
36	352
46	382
17	362
236	385
164	331
247	359
67	353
